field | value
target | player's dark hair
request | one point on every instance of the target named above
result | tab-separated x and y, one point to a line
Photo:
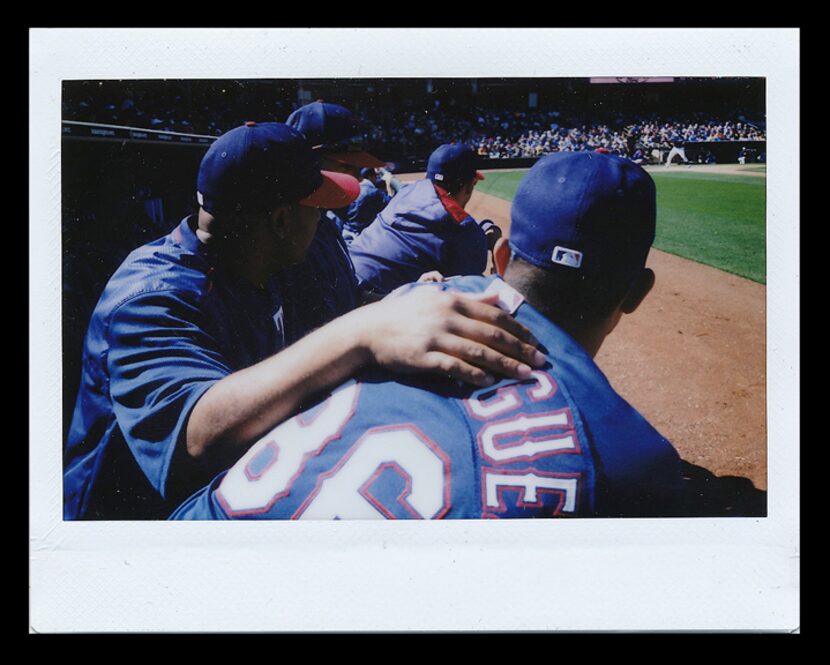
453	188
566	296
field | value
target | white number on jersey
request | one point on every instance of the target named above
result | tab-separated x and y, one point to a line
346	491
267	471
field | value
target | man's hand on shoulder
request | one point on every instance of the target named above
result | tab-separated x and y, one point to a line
464	336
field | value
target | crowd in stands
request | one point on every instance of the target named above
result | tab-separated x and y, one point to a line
645	136
414	132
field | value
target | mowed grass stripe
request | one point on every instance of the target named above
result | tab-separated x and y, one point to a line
712	219
718	220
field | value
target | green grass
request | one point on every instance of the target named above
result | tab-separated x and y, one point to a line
501	183
709	218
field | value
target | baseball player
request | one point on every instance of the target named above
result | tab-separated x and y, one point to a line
324	285
561	443
639	156
678	148
425	227
181	370
362	211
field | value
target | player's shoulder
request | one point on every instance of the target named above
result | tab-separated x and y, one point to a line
583	381
470	230
386	396
419	200
470	284
615	431
613	423
157	271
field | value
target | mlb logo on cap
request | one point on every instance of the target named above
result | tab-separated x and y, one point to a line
566	257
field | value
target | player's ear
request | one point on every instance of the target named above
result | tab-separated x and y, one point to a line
637	292
501	255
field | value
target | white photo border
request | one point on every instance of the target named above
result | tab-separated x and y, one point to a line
600	575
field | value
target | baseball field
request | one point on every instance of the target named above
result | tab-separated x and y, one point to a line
692	358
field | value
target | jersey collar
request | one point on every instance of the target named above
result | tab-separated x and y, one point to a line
456	211
185	236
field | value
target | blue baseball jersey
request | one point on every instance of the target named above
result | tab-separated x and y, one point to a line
169	324
319	289
361	212
562	443
420	230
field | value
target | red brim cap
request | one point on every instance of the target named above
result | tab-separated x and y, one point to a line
362	159
337	191
479	175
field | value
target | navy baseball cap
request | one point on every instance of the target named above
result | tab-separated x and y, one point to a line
452	164
584	211
259	165
333	130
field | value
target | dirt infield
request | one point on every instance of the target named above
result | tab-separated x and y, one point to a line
723	169
692	359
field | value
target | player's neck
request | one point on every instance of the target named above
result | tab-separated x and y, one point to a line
590	339
589	336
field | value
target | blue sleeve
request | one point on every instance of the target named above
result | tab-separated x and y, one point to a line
202	505
161	361
639	469
363	210
467	253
